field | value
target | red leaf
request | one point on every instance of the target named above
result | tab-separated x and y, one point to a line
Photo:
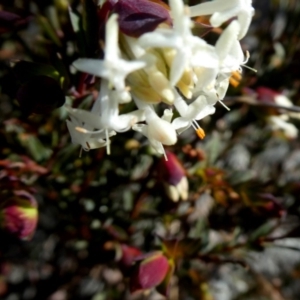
10	21
138	17
129	255
149	272
265	94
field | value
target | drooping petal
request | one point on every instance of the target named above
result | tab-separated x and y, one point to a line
160	130
218	18
181	124
208	8
244	18
95	67
226	39
158	39
178	66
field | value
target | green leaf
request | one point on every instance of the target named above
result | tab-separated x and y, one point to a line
90	26
49	30
25	70
263	230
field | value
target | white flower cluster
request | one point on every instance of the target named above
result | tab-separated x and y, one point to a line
169	65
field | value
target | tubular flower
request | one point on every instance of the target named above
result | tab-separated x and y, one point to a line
151	55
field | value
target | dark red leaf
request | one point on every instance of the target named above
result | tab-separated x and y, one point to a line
265	94
164	287
41	94
11	20
138	17
149	272
129	255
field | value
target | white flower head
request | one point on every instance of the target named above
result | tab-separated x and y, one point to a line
113	67
181	38
104	117
281	122
184	67
223	10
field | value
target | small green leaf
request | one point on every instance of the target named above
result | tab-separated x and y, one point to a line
263	230
25	70
49	30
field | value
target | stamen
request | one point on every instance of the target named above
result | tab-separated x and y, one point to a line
252	69
234	82
246	60
107	142
80	152
83	130
235	78
201	134
165	155
247	57
223	103
199	131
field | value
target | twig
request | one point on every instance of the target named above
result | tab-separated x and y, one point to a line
251	101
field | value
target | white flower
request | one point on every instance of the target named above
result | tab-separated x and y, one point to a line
223	10
159	131
185	67
281	122
197	110
113	67
181	38
87	141
105	116
213	83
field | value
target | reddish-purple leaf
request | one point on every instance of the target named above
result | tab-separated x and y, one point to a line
164	286
10	21
129	255
265	94
40	95
140	16
149	272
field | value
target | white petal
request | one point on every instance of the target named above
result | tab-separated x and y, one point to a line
205	57
91	66
158	39
159	130
168	114
177	8
178	66
181	124
208	110
227	39
111	38
208	8
86	117
244	18
218	18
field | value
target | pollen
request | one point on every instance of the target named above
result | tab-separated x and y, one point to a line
200	132
235	78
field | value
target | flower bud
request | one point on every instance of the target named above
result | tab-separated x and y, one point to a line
172	174
19	215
